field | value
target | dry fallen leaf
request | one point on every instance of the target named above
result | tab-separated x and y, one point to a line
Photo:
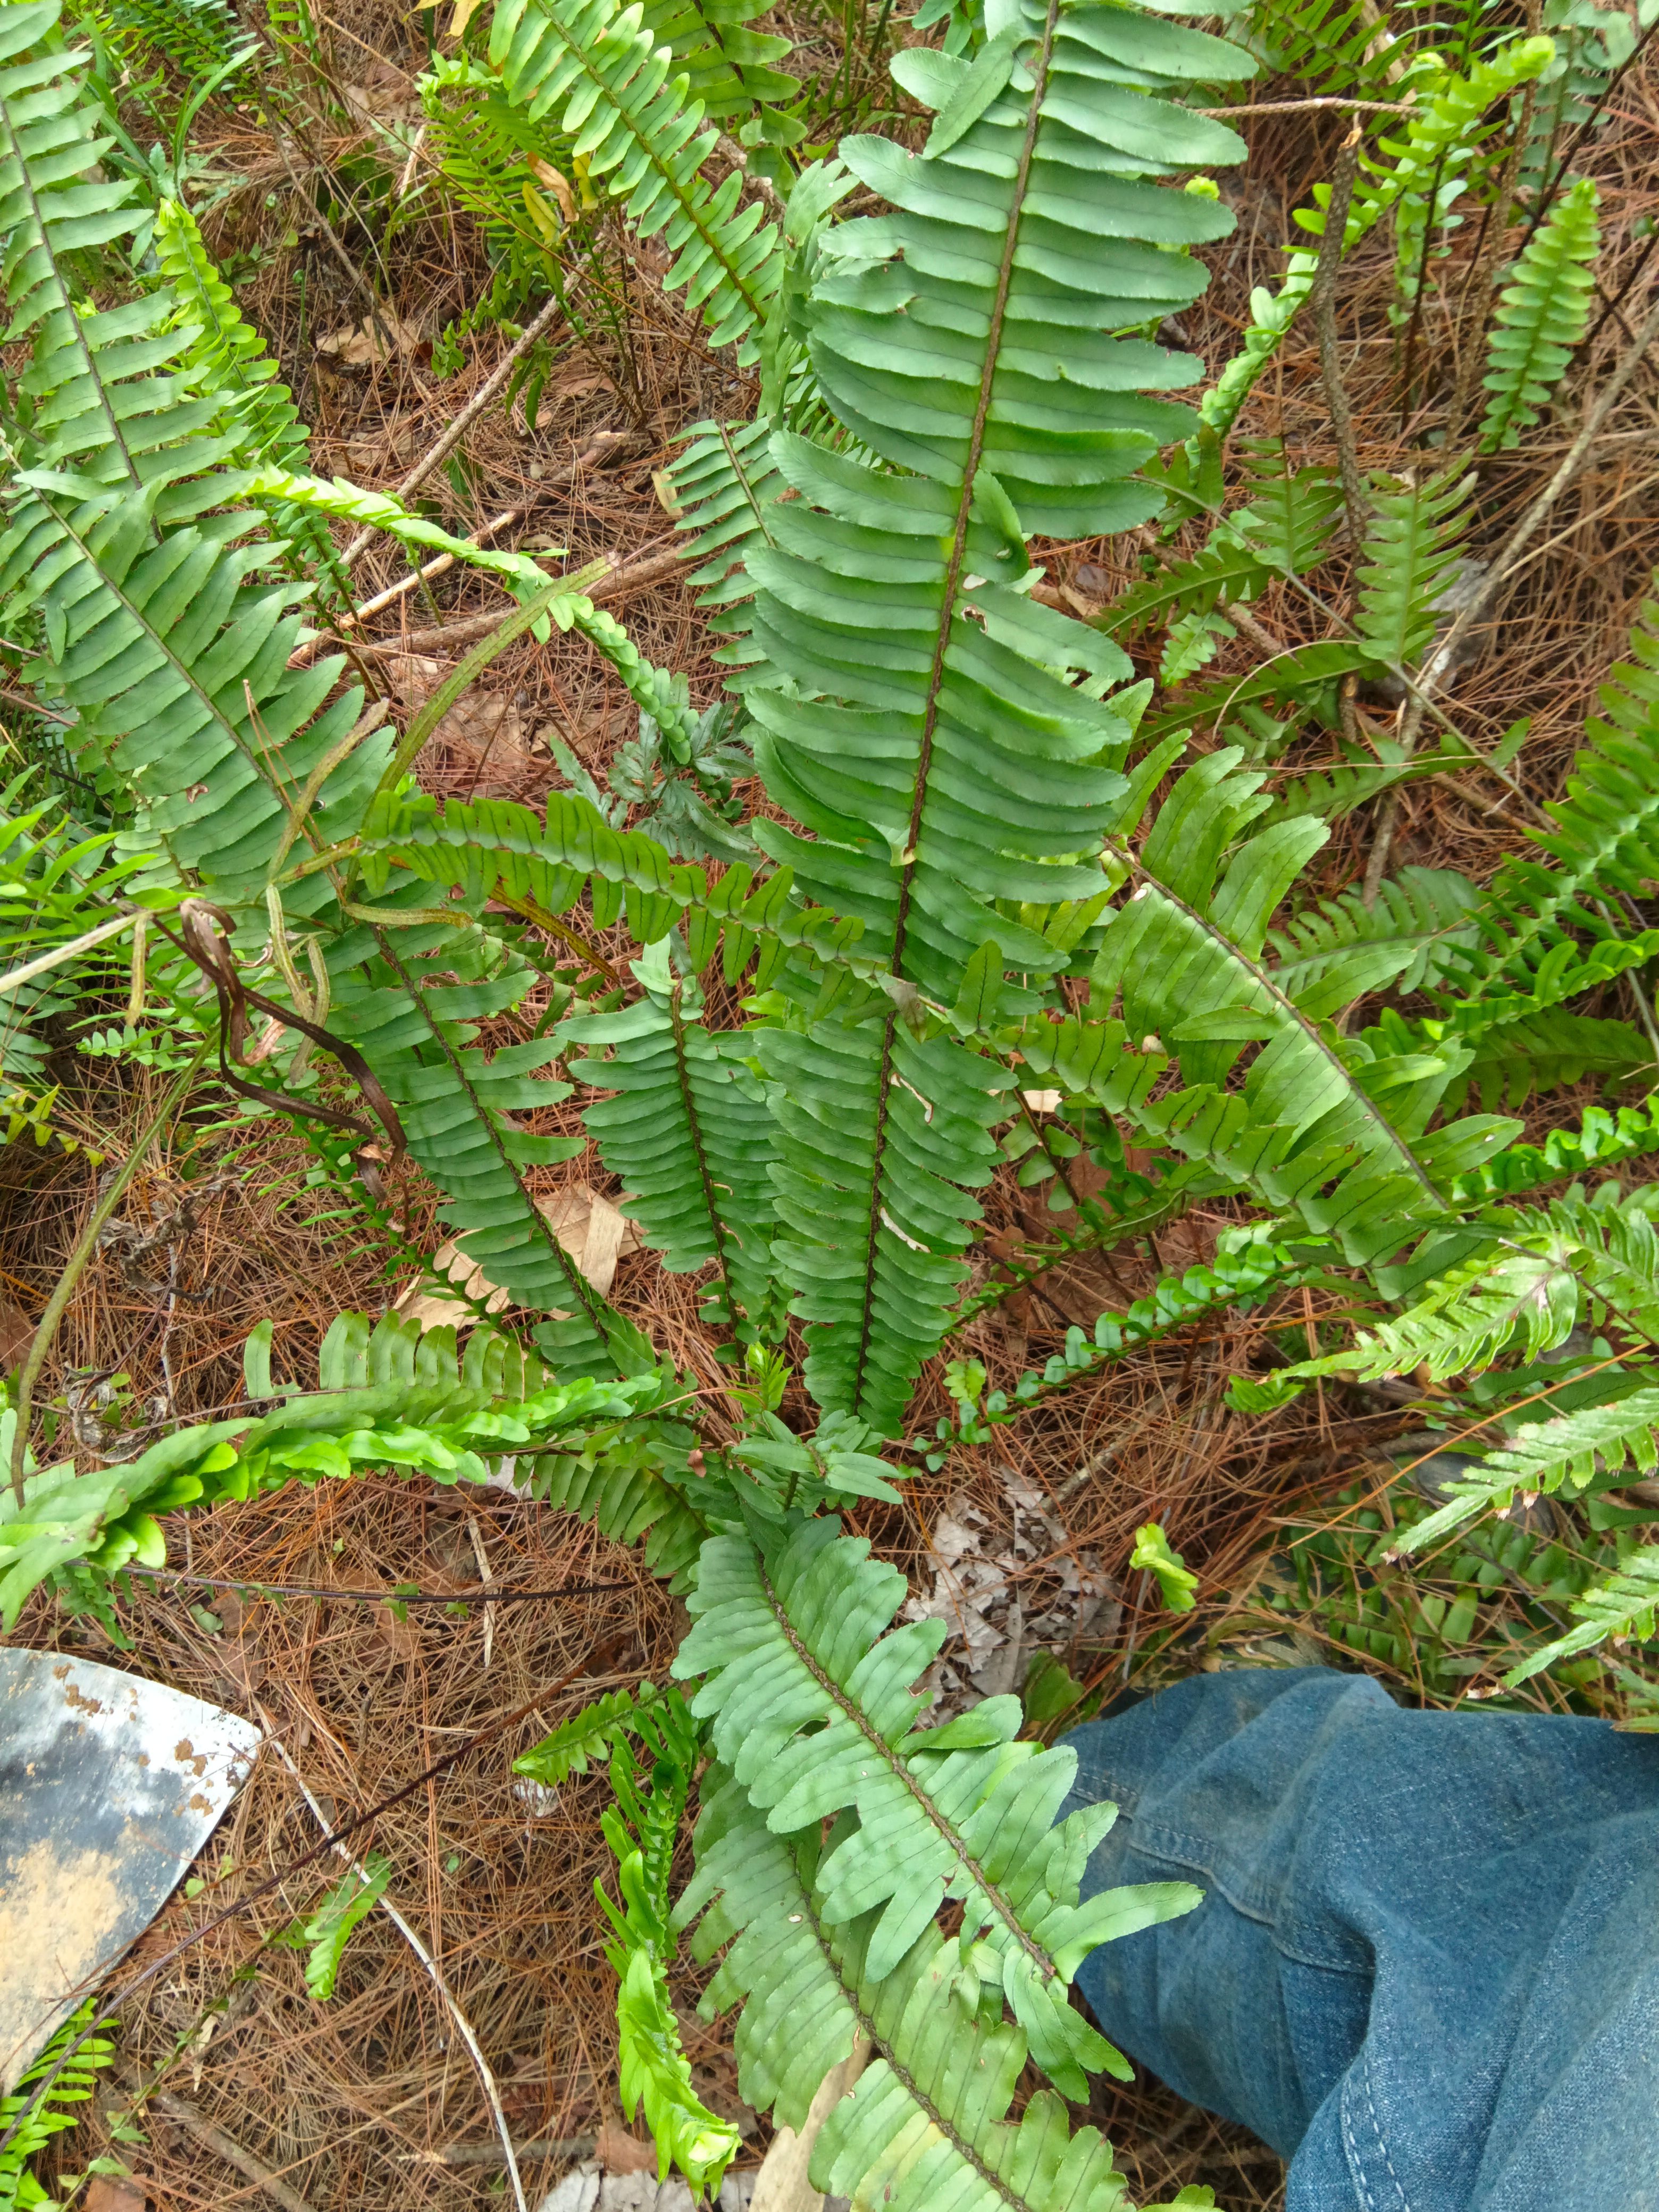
483	722
385	94
591	1229
620	2153
1008	1582
372	341
556	182
16	1334
114	2192
781	2185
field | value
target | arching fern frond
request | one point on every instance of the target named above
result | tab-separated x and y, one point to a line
590	64
1626	1605
1454	115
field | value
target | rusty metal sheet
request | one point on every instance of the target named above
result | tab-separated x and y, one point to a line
109	1787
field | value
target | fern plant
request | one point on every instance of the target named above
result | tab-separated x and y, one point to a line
988	862
1541	316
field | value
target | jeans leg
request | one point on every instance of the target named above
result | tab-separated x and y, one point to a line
1426	1968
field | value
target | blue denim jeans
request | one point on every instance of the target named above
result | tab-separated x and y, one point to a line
1426	1965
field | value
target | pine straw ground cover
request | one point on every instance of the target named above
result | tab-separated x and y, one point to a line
357	2102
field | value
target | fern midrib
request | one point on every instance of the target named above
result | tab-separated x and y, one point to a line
1288	1007
953	568
693	1121
902	2076
883	1750
186	675
687	205
67	306
742	475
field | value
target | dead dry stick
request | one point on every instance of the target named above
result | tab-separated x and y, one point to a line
438	452
627	576
463	2026
226	2147
1330	359
63	1289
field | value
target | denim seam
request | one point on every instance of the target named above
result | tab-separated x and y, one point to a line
1174	1847
1356	2163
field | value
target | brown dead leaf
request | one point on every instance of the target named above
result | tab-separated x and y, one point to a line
16	1334
618	2152
372	341
592	1231
394	445
114	2192
399	1636
482	722
556	182
385	94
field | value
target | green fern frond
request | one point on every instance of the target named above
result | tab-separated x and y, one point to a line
816	1605
1600	1140
392	1398
1513	1060
1605	840
592	1733
1410	551
730	69
494	850
927	2122
1463	109
226	353
1595	1441
199	37
1623	1607
915	712
1405	939
1347	48
614	90
1542	313
621	1487
688	1131
46	2102
330	1928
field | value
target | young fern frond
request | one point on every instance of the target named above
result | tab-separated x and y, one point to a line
590	64
1410	552
391	1397
592	1733
1455	116
1542	313
227	354
642	1827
